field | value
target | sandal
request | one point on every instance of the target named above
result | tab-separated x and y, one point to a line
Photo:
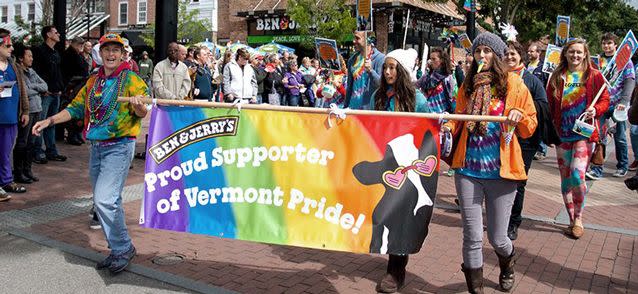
14	188
4	196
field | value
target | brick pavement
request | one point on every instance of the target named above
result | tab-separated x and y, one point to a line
600	262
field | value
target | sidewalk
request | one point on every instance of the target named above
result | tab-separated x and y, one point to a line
603	261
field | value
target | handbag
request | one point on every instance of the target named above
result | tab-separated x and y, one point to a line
273	97
449	142
583	127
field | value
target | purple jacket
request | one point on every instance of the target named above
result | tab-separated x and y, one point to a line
295	79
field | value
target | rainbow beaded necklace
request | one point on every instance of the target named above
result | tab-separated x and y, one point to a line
98	113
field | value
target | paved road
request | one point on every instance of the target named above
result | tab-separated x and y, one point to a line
28	267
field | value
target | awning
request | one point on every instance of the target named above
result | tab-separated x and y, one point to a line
134	38
78	26
15	29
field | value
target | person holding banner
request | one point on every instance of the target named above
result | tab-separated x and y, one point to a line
437	84
572	91
364	72
397	93
514	60
488	158
111	127
619	93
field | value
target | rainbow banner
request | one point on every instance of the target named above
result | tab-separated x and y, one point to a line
362	184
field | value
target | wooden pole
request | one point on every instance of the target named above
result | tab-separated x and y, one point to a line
326	111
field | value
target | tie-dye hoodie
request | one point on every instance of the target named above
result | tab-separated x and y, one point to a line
573	104
122	122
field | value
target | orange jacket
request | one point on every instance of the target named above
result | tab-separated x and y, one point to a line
519	98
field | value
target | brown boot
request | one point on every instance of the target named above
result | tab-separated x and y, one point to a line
474	279
506	278
395	276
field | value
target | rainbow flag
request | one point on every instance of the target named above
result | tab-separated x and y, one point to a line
365	184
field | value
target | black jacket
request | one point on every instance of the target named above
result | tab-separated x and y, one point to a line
274	79
47	63
545	131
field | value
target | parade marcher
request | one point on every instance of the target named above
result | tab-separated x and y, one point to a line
239	79
436	83
571	91
111	127
202	78
488	159
633	127
47	62
170	76
619	93
35	86
364	72
514	60
535	67
632	183
14	114
337	91
146	68
397	93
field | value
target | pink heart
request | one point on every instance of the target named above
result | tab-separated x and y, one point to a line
425	167
394	179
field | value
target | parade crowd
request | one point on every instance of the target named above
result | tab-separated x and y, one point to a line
72	96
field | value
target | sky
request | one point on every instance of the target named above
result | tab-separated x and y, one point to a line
633	3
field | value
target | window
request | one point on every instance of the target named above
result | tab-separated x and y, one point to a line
17	11
31	12
141	12
123	14
5	14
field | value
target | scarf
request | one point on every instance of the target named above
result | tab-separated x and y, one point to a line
480	101
432	80
519	70
358	65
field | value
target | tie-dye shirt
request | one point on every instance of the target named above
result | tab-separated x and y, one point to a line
615	90
573	104
483	155
122	122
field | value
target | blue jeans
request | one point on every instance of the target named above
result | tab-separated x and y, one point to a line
293	100
50	105
542	148
633	137
620	142
108	169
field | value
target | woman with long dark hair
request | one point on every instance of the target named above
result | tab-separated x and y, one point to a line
488	158
571	91
397	93
436	84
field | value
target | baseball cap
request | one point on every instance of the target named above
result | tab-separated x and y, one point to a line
112	38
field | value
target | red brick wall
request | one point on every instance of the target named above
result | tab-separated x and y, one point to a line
113	10
228	24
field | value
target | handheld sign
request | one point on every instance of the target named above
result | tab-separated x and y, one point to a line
465	41
595	61
364	15
623	54
562	30
328	53
552	58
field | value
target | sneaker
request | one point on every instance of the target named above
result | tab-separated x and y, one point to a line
633	166
539	156
105	262
4	196
121	261
95	224
590	175
620	173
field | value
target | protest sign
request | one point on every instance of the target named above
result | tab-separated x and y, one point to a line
328	53
563	24
285	178
595	61
364	15
614	68
552	58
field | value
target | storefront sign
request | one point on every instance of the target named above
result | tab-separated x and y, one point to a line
277	23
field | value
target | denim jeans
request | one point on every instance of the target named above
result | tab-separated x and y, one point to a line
620	142
50	105
633	137
293	100
108	169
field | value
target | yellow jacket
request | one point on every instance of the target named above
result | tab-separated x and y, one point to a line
519	98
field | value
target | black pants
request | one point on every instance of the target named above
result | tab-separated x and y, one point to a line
517	208
23	150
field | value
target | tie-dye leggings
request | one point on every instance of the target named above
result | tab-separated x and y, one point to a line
573	159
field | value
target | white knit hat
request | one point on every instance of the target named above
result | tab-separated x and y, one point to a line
407	59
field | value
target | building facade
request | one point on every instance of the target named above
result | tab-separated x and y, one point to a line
208	9
29	11
131	19
259	22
